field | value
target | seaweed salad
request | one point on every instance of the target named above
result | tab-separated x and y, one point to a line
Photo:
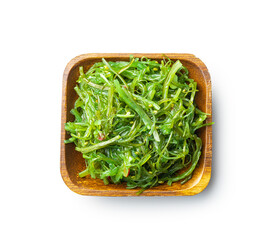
135	122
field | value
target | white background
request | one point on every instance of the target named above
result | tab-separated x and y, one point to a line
38	38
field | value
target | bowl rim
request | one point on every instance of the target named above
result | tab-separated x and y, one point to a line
206	174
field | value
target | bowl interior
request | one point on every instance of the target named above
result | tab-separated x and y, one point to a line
73	161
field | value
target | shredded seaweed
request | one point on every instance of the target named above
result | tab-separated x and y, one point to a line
136	122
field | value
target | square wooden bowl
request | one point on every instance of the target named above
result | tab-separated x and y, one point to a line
71	162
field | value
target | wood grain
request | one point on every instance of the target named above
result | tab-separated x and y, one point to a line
71	161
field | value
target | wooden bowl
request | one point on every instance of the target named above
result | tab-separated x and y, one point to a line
71	161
